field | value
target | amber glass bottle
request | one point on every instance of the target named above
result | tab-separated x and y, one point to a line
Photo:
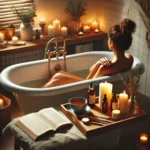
105	105
91	96
114	101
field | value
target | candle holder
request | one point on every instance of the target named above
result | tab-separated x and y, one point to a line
42	25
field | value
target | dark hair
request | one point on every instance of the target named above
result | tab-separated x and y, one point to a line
121	34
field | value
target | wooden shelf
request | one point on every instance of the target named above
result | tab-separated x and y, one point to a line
71	40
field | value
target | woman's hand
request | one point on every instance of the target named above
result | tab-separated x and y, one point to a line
104	61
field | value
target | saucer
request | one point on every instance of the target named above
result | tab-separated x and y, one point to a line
83	113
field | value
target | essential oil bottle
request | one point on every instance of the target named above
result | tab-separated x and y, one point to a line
91	95
114	101
105	105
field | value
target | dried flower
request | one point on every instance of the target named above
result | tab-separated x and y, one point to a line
132	84
25	15
76	11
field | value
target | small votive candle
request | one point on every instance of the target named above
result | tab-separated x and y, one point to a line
14	39
116	114
1	103
86	29
96	30
143	138
80	33
1	37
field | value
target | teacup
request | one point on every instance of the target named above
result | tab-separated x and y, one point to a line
78	104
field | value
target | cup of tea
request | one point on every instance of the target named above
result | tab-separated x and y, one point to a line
78	104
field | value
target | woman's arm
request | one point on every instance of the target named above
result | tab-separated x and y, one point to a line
93	70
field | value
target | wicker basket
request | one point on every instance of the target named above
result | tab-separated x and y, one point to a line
5	116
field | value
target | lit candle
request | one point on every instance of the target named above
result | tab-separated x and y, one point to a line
94	25
80	33
116	114
14	39
86	29
143	138
1	103
50	31
56	24
42	21
123	103
64	31
105	88
1	37
96	30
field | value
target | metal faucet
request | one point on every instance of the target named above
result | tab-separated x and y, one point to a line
57	51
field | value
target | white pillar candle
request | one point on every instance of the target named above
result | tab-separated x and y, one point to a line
94	25
64	31
116	114
86	29
42	21
105	88
1	37
123	103
56	24
50	31
1	103
14	39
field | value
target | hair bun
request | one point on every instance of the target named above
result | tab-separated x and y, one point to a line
128	26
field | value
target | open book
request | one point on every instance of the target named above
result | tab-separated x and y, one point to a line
39	123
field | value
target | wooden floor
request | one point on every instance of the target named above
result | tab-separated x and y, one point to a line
126	143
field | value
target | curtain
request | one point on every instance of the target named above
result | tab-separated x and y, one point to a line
6	13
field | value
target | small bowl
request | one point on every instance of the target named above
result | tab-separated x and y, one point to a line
78	104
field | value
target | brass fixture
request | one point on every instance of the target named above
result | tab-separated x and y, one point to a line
57	51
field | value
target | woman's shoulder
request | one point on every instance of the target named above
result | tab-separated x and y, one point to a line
129	56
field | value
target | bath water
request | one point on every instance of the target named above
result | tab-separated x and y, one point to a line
39	83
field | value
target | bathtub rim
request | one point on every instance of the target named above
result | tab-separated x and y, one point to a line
8	85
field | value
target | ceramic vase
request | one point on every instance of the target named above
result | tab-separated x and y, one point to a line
26	32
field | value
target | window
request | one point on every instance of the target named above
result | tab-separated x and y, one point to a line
6	14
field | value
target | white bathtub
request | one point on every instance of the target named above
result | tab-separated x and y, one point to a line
34	99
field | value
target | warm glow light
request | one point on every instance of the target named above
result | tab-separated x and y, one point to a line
143	138
80	33
1	37
1	103
96	31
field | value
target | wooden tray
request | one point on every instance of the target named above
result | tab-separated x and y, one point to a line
91	129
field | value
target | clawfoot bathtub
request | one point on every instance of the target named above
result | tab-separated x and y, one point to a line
25	79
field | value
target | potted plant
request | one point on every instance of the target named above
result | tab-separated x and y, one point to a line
75	11
26	16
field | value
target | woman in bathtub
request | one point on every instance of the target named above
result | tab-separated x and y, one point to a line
119	40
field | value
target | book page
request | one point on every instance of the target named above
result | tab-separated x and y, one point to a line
53	118
32	125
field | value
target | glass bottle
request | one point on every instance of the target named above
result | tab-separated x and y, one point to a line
114	101
91	96
37	34
105	104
